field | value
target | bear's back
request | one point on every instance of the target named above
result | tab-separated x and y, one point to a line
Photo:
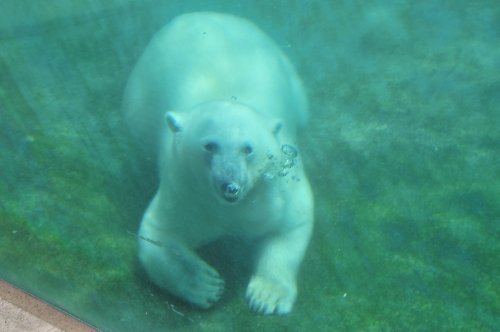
201	57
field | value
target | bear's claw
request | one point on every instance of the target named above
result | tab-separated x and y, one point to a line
266	296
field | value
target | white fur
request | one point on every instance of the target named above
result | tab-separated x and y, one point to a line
234	101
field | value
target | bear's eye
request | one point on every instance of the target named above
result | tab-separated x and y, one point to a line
247	149
211	147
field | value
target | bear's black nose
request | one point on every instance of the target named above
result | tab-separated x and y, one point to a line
231	191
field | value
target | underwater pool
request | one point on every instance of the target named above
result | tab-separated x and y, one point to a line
401	150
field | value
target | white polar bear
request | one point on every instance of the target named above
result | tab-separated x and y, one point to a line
227	162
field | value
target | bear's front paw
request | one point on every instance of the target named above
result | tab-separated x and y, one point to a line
268	296
202	288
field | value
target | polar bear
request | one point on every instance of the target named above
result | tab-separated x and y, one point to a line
231	104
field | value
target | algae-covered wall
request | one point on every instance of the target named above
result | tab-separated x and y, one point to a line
402	151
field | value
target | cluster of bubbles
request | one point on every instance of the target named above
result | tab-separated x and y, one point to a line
283	164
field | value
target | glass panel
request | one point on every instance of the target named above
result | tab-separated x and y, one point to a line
401	151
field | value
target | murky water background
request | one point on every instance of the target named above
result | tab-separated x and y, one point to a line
402	151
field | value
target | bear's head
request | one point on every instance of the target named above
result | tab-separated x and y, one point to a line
225	146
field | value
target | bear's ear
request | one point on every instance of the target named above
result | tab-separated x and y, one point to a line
174	121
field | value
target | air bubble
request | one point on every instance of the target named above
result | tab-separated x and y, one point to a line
289	150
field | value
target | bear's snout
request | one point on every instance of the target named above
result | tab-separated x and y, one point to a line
231	191
228	173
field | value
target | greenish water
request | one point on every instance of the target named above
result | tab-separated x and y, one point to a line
402	151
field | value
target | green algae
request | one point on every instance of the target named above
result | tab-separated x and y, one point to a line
402	152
